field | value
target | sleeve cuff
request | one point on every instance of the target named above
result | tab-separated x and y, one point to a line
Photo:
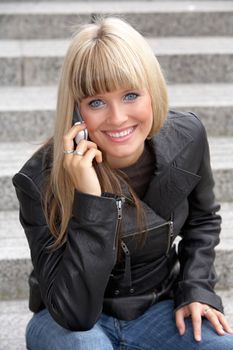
184	296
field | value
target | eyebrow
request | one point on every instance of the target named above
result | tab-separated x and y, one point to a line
102	96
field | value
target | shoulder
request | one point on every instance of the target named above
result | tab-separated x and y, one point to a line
187	123
182	137
35	170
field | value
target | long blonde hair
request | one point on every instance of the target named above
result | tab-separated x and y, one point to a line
102	57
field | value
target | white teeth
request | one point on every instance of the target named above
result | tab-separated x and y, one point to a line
120	134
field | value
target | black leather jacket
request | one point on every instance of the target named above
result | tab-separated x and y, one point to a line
81	279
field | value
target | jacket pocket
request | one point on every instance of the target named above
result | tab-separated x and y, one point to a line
157	243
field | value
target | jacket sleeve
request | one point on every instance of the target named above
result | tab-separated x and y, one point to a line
200	235
72	278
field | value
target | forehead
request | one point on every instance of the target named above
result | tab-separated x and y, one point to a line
103	74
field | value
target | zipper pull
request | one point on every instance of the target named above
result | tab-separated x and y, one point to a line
170	235
119	202
171	228
124	248
127	280
119	208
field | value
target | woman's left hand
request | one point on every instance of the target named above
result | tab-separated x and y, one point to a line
198	310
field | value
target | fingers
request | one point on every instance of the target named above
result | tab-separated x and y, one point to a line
68	139
84	154
90	155
196	321
194	310
212	317
79	162
88	151
224	322
197	310
218	321
180	324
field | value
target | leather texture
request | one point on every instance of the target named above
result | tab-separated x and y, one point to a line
75	279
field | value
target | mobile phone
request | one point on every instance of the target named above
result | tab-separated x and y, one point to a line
83	134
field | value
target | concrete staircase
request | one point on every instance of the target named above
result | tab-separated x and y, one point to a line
193	41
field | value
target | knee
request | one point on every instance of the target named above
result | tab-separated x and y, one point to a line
212	341
220	342
44	333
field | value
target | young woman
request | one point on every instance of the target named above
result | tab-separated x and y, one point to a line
101	213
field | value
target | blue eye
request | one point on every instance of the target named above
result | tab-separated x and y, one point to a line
96	103
131	96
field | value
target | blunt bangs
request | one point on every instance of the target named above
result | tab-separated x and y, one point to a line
106	65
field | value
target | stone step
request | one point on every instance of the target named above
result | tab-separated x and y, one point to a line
15	315
42	1
15	264
57	19
183	60
27	113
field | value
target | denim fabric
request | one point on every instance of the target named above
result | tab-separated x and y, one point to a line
155	329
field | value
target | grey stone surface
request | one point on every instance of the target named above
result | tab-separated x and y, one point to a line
26	99
14	278
19	154
40	71
15	264
223	183
180	69
11	71
42	1
54	20
218	121
183	60
224	249
211	102
26	126
14	316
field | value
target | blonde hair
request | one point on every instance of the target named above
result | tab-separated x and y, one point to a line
102	57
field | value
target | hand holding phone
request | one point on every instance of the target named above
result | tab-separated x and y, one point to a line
83	134
81	163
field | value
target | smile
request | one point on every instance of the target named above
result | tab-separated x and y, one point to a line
120	134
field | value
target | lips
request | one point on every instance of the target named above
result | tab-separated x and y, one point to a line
120	134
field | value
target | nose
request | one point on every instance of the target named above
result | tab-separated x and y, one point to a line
117	115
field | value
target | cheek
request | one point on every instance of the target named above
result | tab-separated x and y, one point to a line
92	123
94	127
146	115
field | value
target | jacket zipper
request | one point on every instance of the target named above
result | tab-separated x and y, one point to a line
119	202
170	234
148	230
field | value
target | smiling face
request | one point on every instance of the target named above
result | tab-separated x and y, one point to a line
119	122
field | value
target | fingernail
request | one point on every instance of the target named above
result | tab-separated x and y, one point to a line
198	338
78	123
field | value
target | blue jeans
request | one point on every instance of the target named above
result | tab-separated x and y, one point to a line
155	329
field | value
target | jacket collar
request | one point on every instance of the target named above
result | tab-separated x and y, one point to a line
170	184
